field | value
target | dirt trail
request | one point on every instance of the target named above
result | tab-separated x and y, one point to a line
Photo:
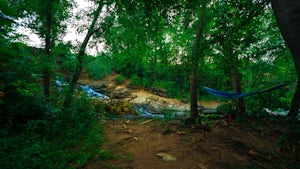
138	144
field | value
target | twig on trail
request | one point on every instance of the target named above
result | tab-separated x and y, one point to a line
163	150
145	131
147	121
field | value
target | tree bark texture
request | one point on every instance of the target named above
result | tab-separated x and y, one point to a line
287	13
240	106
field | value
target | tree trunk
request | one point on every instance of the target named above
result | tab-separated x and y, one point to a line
240	106
287	14
46	71
193	93
233	62
194	71
80	55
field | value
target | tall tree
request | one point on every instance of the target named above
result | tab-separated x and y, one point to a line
91	31
287	14
195	60
46	19
48	46
234	36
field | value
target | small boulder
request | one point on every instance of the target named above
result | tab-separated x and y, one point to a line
166	157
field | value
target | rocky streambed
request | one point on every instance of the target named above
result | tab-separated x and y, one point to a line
149	103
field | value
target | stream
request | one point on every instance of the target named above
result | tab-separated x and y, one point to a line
91	93
140	109
146	112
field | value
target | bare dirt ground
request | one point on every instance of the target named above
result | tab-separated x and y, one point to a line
151	144
154	144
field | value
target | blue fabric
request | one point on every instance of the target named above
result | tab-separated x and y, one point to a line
225	95
228	95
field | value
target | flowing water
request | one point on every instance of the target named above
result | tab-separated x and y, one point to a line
142	111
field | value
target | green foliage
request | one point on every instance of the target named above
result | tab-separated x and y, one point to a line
79	114
35	132
97	68
61	139
168	115
22	108
207	119
270	100
135	80
64	59
169	86
9	12
119	79
145	43
120	108
227	108
30	150
68	64
37	12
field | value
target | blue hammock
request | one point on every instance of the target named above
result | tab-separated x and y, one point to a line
228	95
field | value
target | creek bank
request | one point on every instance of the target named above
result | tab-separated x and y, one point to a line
150	105
145	101
142	109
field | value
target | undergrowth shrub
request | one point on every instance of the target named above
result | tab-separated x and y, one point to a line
120	108
19	108
119	79
98	68
272	100
135	80
81	111
68	64
169	86
227	108
61	139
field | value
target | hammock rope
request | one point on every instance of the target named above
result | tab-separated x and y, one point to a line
229	95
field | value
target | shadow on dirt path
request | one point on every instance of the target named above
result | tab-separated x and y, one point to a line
150	144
